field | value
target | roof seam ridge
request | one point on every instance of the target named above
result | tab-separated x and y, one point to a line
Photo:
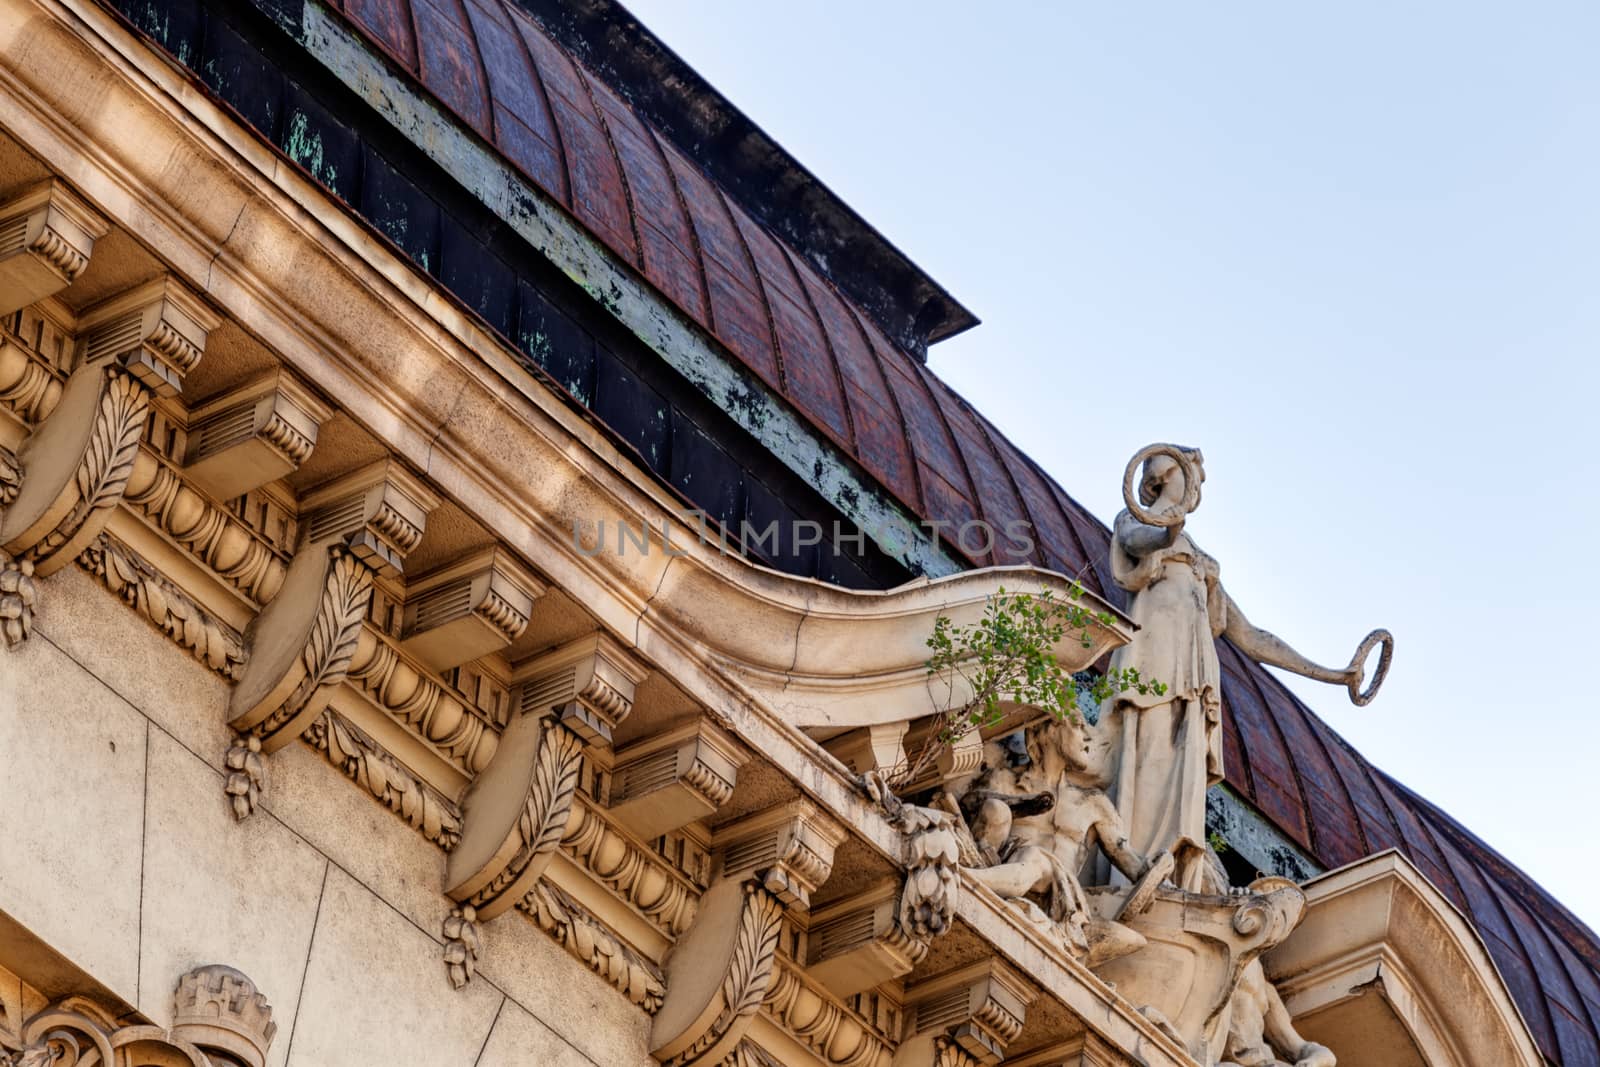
924	375
991	442
688	224
1312	837
894	402
486	94
761	284
568	197
827	343
1313	725
616	157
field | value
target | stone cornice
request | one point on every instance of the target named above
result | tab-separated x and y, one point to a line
451	403
1380	923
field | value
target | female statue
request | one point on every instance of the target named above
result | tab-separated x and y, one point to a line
1171	741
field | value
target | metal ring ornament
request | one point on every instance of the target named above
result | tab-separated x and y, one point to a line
1191	485
1358	696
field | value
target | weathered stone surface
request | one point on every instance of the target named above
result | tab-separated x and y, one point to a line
518	1038
147	670
214	890
375	994
581	1007
361	836
69	864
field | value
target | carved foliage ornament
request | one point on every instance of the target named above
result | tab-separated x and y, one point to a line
514	814
137	583
218	1017
589	940
718	976
933	854
361	759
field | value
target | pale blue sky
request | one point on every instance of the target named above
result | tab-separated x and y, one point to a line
1350	250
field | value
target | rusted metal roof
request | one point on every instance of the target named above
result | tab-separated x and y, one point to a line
824	350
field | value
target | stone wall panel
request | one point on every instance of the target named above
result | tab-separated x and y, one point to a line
582	1007
375	993
217	890
519	1038
117	645
72	784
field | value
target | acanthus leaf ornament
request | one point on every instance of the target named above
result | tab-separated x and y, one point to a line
592	943
391	783
718	975
135	582
74	467
301	645
514	815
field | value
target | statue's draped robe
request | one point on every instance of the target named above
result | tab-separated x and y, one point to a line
1169	745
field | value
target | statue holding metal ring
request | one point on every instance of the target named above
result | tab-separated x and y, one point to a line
1189	460
1359	697
1170	741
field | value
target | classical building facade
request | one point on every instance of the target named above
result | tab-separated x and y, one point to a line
473	509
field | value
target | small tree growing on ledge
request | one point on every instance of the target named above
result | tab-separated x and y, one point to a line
1009	655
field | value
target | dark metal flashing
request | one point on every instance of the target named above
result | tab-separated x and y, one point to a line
561	330
769	183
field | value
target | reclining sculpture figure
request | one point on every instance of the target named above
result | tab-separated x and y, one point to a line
1037	828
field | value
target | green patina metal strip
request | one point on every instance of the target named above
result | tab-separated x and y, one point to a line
545	225
1254	837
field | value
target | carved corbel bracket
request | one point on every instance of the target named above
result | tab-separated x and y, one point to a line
468	609
970	1014
513	815
75	465
46	237
718	975
880	747
589	683
377	512
252	435
156	331
788	848
669	780
300	646
857	943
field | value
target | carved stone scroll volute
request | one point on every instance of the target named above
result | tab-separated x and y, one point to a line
589	683
301	644
252	435
965	1018
76	464
670	779
513	815
718	975
788	848
46	237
